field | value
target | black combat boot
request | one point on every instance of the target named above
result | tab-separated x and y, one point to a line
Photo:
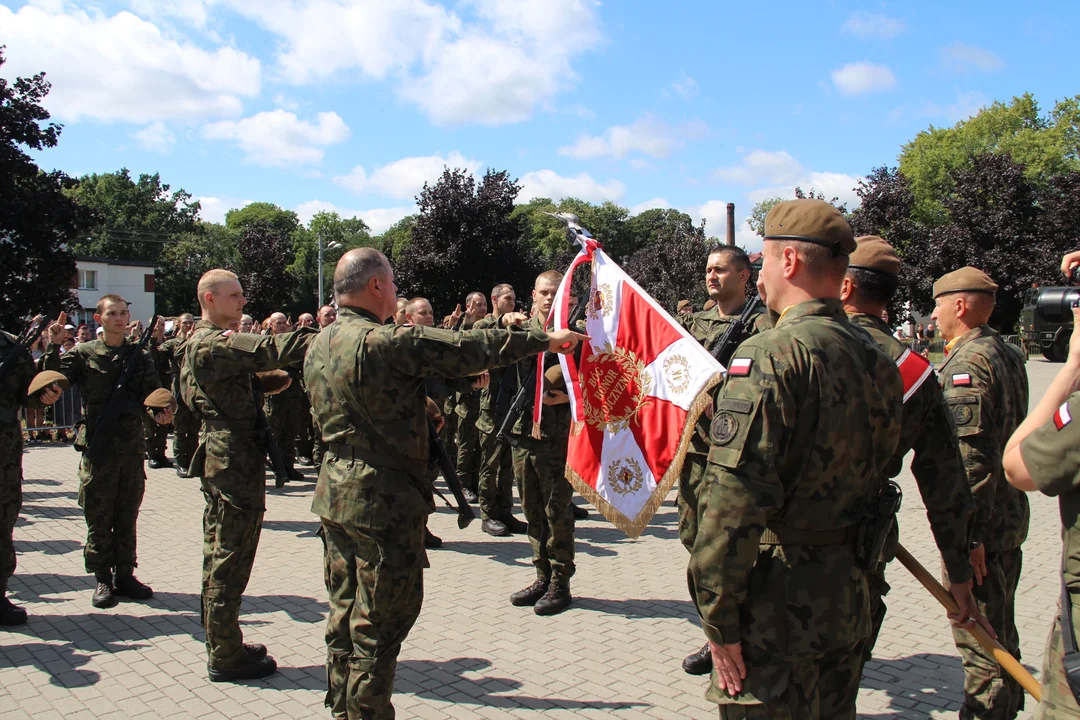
579	512
293	473
469	495
517	527
555	600
698	662
494	528
255	651
180	471
431	540
305	460
10	614
531	594
251	668
164	461
154	464
103	593
127	585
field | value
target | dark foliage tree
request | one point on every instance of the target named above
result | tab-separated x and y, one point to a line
465	238
183	262
263	213
37	220
338	235
673	267
265	254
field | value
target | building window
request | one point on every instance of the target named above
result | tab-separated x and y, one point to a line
148	283
88	280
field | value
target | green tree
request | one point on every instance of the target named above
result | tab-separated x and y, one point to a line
672	268
756	221
339	236
1044	145
284	221
652	226
397	237
265	254
136	219
37	218
183	262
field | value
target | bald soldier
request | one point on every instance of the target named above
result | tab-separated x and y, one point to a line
869	285
367	390
286	410
986	387
777	575
727	271
216	382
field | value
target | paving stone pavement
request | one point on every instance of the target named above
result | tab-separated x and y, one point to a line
615	653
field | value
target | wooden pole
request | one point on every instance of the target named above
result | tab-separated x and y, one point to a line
1010	664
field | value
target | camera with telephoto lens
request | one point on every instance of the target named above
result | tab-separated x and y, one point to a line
1055	304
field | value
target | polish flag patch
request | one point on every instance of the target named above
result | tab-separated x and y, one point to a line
1062	417
961	380
740	367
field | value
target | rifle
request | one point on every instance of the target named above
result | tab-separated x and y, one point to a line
266	435
725	348
26	340
449	472
97	442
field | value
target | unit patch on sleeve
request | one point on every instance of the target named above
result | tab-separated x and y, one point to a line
961	380
740	367
1062	416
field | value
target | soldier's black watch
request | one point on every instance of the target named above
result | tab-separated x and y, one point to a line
975	545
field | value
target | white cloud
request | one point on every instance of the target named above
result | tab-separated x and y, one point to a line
655	203
213	209
280	138
872	25
862	77
549	184
960	58
193	12
285	102
686	87
830	184
639	164
122	67
156	137
404	178
967	104
647	136
377	219
762	166
496	66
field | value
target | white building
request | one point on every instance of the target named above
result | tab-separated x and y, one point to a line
132	280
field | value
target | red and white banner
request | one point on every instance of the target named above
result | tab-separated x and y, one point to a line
636	396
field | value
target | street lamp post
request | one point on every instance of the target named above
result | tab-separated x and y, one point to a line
332	246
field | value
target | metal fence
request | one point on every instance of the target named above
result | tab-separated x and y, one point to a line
934	349
60	417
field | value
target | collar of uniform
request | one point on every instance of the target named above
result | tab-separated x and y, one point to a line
957	342
865	320
825	307
204	323
358	312
720	313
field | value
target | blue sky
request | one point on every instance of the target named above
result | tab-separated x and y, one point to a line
352	104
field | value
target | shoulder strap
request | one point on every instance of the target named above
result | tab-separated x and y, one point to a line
1071	660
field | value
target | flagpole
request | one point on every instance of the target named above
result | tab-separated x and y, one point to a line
1010	664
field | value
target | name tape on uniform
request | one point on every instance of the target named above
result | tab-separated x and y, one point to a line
1062	417
961	380
740	367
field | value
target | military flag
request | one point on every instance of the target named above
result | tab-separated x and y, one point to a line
636	395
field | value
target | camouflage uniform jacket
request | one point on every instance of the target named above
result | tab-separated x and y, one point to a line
937	466
162	361
986	387
784	457
496	397
173	350
466	399
367	390
215	382
707	327
555	419
16	381
95	367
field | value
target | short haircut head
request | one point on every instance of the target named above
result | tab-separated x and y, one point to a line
820	260
107	299
871	286
735	255
473	296
501	289
356	268
187	317
413	305
247	319
211	279
551	276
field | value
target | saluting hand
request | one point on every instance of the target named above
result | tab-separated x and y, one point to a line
564	341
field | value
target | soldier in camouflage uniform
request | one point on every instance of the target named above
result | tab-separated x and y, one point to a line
928	430
13	387
367	389
326	317
215	379
540	471
185	424
497	467
285	410
154	434
986	388
772	570
110	492
1044	454
466	402
727	272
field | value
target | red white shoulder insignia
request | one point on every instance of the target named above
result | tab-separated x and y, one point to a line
961	380
740	367
226	333
1062	417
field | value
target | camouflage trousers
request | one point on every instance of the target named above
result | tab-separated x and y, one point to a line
110	495
10	494
496	478
155	436
448	432
230	539
373	606
1058	702
689	485
825	686
539	468
186	434
284	416
305	431
468	446
990	693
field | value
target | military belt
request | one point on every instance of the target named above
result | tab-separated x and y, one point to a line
787	535
345	451
218	425
8	416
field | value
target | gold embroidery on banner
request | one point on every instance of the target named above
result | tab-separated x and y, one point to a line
615	388
625	476
602	302
677	373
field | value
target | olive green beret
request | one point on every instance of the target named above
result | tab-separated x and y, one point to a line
44	379
873	253
812	221
160	399
271	382
682	304
966	279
